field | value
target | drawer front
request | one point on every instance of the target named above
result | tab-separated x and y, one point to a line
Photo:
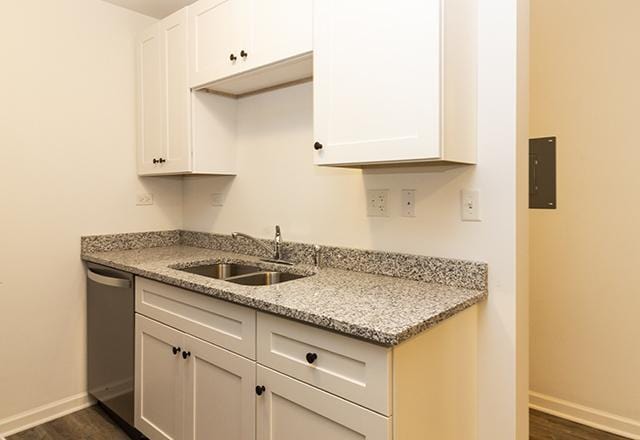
350	368
222	323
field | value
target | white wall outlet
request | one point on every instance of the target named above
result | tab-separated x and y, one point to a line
144	199
217	199
377	203
408	202
470	205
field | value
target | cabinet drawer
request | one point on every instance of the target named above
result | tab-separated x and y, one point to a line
222	323
350	368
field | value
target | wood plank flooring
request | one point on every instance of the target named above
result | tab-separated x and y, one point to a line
546	427
89	424
93	424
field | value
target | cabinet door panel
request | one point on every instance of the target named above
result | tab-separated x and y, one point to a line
376	81
217	29
281	29
292	410
158	397
219	393
175	93
150	117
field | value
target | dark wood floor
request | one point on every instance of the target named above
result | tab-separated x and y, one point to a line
89	424
93	424
545	427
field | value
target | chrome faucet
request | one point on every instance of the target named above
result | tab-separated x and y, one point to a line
275	251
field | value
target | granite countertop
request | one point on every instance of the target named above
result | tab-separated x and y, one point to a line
381	309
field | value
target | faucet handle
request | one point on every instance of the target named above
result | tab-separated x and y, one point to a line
316	255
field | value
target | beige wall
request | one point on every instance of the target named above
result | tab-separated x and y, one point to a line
585	280
278	183
67	149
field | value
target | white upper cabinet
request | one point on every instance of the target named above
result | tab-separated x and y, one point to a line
232	37
218	29
179	132
394	82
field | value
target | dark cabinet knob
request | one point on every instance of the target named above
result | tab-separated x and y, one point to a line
176	350
311	357
186	354
260	389
155	160
243	54
161	160
317	146
232	57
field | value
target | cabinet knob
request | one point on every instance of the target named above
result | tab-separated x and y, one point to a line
317	146
243	54
176	350
260	389
311	357
186	354
232	57
161	160
155	160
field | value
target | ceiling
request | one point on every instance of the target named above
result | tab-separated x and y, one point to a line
153	8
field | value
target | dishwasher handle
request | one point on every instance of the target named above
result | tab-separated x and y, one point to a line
120	283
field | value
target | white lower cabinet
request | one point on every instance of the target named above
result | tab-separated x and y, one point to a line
291	410
189	389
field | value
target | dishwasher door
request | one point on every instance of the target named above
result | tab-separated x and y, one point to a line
110	340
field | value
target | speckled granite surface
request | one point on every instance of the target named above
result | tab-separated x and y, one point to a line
381	309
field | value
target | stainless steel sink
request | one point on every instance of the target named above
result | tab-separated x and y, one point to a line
264	278
222	271
242	274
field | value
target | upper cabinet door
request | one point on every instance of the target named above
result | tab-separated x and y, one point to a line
150	113
176	94
217	30
281	29
377	81
220	396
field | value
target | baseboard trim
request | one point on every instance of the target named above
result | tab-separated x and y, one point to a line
584	415
45	413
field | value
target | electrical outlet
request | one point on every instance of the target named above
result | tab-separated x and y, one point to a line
377	203
144	199
470	205
408	202
217	199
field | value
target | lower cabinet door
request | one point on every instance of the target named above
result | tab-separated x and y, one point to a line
292	410
158	375
220	393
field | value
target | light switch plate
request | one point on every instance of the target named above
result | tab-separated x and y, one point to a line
408	202
144	199
217	199
377	203
470	205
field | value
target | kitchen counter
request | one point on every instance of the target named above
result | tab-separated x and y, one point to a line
381	309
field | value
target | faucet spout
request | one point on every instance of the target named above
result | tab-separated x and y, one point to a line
275	251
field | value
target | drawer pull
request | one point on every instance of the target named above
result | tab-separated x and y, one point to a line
312	357
186	354
176	350
260	389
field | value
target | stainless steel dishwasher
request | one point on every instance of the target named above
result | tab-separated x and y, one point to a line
110	340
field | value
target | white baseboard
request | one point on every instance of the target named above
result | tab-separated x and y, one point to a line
584	415
43	414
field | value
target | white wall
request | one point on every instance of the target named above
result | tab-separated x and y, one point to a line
67	149
277	183
585	301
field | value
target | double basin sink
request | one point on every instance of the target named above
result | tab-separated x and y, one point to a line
242	274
